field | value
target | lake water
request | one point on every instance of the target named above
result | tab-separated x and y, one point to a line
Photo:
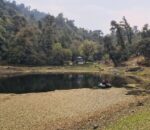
51	82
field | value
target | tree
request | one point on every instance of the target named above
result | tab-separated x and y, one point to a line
47	37
146	31
110	49
75	49
32	37
122	34
144	48
3	41
128	30
116	55
23	50
67	54
60	54
88	48
117	28
19	22
98	55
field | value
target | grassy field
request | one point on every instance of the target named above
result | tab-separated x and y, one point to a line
139	119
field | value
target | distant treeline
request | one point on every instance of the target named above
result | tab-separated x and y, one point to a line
30	37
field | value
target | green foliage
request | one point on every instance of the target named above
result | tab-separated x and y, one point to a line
146	31
67	54
30	37
137	121
75	48
23	50
119	45
60	54
116	28
88	49
144	48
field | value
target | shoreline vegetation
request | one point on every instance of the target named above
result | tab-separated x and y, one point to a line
19	70
87	68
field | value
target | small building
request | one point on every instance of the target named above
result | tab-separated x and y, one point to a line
79	60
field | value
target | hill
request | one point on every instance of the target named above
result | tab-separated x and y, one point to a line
29	36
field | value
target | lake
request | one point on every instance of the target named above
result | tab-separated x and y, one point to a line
51	82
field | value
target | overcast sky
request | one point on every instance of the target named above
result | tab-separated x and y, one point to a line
95	14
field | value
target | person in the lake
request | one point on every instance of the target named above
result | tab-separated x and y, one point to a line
104	82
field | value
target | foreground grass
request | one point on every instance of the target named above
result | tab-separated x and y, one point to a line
140	120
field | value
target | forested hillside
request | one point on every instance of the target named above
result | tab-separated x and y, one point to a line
30	37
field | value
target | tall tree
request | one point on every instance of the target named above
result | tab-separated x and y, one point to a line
146	31
144	49
110	49
117	28
128	30
48	35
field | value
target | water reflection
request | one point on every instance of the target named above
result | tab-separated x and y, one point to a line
44	83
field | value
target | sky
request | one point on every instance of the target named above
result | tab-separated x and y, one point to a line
95	14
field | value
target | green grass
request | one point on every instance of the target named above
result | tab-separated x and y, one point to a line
88	66
138	121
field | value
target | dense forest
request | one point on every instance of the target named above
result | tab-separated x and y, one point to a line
30	37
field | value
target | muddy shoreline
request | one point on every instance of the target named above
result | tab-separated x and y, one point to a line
67	109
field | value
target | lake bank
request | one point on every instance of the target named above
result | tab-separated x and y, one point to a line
7	71
70	109
139	76
59	109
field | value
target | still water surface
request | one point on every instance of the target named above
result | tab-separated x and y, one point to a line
51	82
